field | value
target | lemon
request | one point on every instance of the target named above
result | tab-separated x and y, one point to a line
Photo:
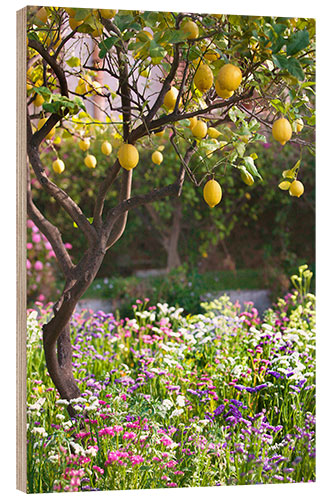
212	193
193	121
128	156
90	161
41	123
58	166
170	98
203	78
42	15
191	29
98	31
296	189
229	77
299	125
84	144
211	55
108	13
160	134
38	101
213	132
106	148
282	130
157	157
247	178
199	130
221	92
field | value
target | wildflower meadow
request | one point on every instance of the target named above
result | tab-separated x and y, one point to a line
171	400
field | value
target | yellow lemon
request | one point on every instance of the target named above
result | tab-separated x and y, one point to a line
38	101
199	130
282	130
170	98
42	15
203	78
90	161
191	29
229	77
160	134
106	148
58	166
221	92
247	178
84	144
193	121
213	132
157	157
41	123
128	156
296	189
299	125
108	13
212	193
211	55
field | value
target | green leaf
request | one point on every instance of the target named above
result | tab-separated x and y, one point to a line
278	105
280	61
249	163
295	69
73	62
81	14
298	41
123	22
106	44
156	51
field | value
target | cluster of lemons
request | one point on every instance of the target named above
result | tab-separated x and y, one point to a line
90	160
226	83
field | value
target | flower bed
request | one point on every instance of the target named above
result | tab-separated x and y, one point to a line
221	398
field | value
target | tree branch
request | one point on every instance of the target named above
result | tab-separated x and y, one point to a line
64	200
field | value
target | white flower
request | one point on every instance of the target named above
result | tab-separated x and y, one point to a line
37	406
180	400
67	425
167	404
40	430
176	413
59	416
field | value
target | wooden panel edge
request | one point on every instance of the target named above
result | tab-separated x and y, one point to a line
21	158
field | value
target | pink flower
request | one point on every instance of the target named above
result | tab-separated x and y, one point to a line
38	265
51	254
41	297
28	264
123	397
68	245
29	246
48	245
30	223
136	459
36	238
129	435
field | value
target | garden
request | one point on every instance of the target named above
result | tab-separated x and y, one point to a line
171	159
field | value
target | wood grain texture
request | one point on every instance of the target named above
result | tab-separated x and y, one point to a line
21	291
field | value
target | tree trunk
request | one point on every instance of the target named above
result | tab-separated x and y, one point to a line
172	246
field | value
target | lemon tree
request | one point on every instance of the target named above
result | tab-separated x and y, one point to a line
213	86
